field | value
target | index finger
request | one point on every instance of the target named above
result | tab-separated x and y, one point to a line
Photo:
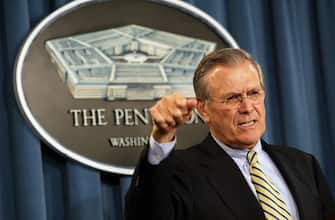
191	103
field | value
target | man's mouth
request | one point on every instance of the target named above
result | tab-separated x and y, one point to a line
247	123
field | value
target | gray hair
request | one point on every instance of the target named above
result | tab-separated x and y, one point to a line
227	57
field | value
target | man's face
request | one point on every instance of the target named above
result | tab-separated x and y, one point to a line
239	124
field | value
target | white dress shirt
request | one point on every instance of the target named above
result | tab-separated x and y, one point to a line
158	152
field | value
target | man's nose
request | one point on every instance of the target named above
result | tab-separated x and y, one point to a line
246	105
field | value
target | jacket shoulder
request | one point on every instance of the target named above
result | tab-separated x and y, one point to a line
287	151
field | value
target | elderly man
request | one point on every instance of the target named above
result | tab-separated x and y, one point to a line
232	174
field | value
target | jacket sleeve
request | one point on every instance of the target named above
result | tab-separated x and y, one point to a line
158	191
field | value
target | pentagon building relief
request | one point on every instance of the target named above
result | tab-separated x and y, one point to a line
127	63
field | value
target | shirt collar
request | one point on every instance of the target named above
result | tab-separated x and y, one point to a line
238	153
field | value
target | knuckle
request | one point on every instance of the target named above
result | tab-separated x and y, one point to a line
178	115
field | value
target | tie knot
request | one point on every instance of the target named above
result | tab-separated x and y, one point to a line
252	157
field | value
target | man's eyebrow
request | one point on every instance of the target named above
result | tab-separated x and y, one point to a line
239	92
231	93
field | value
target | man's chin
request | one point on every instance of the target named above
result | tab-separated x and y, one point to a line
242	145
249	138
248	142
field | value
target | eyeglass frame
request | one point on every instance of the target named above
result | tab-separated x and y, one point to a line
229	99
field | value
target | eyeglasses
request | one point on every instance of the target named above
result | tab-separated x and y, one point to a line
255	96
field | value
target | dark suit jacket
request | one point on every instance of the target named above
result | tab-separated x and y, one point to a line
203	182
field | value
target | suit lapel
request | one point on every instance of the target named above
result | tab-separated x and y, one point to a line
228	181
298	188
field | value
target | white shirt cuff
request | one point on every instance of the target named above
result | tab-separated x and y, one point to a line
159	151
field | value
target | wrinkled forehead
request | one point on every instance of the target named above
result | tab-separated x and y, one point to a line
237	77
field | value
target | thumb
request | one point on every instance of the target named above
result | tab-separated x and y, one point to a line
191	103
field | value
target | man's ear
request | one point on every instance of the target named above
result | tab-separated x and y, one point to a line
202	110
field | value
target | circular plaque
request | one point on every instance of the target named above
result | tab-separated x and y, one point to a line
88	73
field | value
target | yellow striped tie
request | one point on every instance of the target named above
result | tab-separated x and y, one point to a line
268	196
